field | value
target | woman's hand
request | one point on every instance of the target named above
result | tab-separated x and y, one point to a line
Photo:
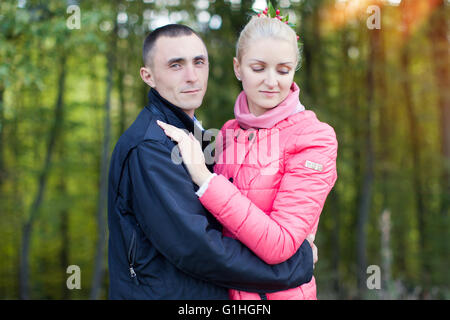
191	152
311	239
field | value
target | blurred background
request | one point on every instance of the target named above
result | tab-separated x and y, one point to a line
377	71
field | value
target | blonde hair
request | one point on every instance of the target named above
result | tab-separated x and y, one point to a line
266	27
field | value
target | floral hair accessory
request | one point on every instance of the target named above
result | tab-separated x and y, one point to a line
270	12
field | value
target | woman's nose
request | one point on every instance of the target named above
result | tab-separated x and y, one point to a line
270	79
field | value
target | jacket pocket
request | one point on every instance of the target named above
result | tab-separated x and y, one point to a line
132	257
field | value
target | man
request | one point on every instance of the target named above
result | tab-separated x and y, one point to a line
162	243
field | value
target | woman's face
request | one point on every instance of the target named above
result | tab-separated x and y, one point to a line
266	70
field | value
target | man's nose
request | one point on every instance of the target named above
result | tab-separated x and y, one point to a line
191	74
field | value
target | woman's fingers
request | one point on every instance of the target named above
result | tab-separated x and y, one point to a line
315	254
174	133
190	148
311	238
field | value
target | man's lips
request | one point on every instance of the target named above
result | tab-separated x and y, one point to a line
191	91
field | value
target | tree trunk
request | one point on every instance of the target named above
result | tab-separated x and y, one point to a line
16	196
384	127
334	195
42	182
65	247
2	129
311	47
440	48
415	145
368	175
384	132
63	225
386	254
415	134
319	73
335	243
99	265
122	112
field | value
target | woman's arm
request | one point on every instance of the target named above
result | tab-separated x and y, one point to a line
297	206
296	209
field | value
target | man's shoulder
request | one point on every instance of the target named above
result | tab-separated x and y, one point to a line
143	131
144	128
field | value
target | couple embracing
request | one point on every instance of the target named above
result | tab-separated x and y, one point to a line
243	228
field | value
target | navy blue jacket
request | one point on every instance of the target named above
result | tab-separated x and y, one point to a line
163	244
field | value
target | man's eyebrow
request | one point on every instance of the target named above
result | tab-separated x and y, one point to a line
182	60
176	60
201	57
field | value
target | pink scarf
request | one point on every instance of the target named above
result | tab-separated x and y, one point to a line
287	107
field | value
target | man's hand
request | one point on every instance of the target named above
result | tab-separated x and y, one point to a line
310	239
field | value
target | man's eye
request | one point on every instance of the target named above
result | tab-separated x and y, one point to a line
199	62
175	66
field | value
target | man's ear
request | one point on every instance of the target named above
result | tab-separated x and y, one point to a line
237	68
147	76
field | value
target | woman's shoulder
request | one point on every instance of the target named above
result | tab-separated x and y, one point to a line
308	130
230	124
307	122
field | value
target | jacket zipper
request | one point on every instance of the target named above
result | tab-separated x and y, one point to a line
251	143
131	258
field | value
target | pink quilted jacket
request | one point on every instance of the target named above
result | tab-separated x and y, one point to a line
271	200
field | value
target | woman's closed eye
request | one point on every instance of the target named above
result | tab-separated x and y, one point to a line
282	71
257	69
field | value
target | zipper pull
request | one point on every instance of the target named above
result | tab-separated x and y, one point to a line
132	273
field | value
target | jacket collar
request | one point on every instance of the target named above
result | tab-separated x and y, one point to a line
171	113
289	106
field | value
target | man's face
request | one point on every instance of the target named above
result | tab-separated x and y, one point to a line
179	71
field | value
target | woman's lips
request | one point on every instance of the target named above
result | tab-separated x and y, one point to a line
269	94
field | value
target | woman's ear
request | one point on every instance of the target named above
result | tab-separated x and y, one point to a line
237	68
147	76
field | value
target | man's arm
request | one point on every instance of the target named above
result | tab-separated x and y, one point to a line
173	218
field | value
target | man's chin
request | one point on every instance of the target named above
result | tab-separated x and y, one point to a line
191	106
190	109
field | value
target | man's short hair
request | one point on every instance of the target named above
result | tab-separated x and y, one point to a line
171	31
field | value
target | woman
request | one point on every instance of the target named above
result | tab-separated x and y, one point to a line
275	163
